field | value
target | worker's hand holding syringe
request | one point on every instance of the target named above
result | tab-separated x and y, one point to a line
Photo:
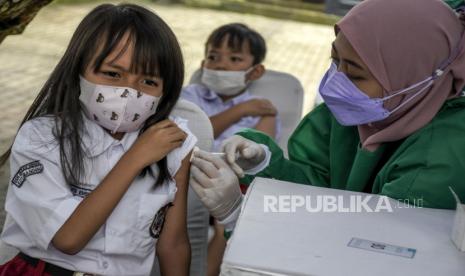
214	176
242	154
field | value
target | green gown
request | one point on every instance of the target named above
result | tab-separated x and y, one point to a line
416	170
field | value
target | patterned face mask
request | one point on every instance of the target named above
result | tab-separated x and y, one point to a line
118	109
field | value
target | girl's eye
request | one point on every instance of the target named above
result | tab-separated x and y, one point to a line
150	82
111	74
211	57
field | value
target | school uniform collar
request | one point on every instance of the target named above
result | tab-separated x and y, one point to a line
245	96
96	140
210	95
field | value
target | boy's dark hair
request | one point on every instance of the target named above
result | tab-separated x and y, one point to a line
156	52
237	34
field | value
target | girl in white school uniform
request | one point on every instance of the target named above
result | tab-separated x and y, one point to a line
99	170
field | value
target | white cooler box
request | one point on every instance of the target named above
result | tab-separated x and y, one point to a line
305	241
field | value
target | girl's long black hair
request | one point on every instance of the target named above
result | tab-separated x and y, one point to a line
156	52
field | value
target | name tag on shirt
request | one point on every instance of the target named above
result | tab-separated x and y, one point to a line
159	221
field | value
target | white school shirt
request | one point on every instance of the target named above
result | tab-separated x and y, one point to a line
39	200
212	104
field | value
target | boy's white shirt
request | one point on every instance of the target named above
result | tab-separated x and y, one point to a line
40	200
212	105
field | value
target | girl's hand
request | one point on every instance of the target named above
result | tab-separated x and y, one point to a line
156	142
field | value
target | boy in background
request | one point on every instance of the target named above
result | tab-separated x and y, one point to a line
233	59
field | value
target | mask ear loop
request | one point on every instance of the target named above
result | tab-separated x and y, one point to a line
431	81
246	82
436	74
250	69
402	91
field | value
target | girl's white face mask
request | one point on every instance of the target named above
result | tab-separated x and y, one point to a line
118	109
225	83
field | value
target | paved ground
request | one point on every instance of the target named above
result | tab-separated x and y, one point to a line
26	60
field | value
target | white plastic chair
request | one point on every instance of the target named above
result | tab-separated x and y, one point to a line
284	91
197	214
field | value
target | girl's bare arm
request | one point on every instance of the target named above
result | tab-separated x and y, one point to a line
173	247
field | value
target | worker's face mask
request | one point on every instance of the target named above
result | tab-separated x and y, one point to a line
225	83
350	106
118	109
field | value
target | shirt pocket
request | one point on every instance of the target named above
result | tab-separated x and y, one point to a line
128	232
149	208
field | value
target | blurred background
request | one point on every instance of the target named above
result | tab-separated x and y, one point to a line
298	34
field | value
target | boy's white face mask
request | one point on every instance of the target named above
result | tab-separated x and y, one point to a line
225	83
118	109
